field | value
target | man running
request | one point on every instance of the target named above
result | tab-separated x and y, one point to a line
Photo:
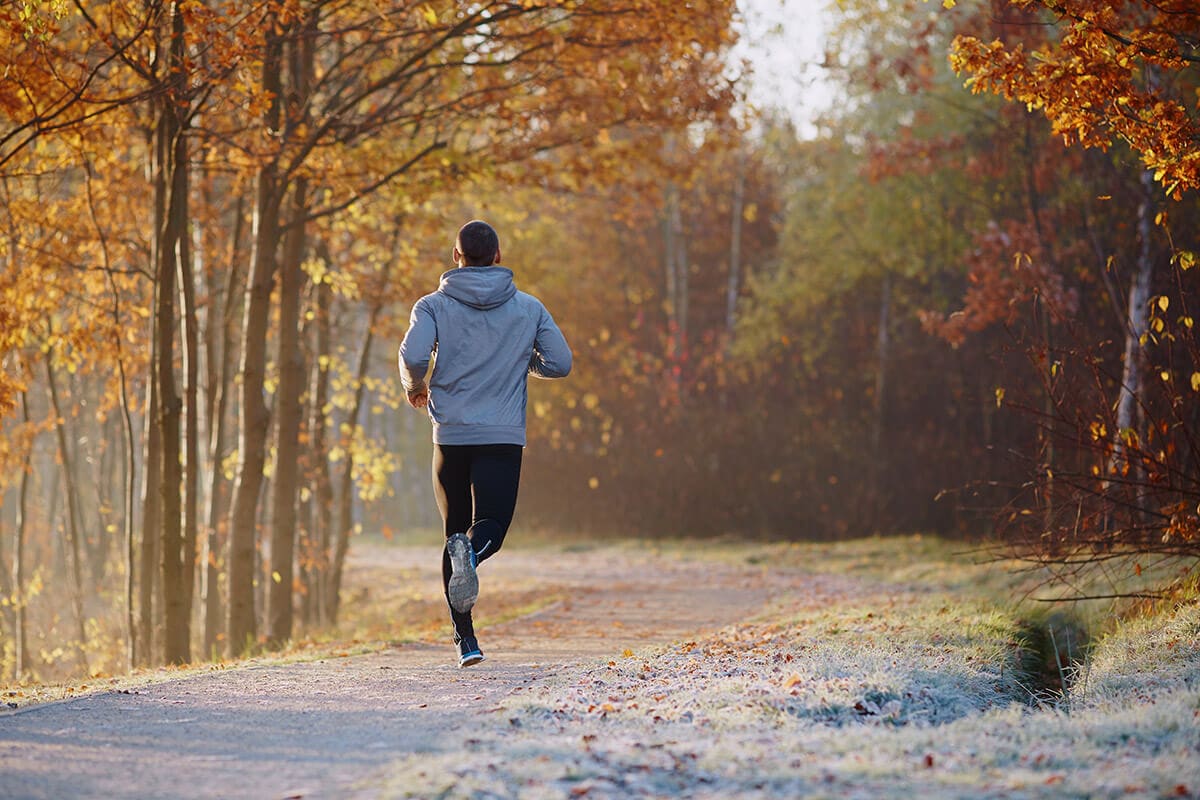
486	337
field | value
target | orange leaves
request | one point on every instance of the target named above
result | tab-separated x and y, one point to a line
1000	281
1106	77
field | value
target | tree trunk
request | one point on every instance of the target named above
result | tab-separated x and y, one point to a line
319	449
1138	322
148	573
677	290
289	412
255	418
672	305
882	353
172	252
682	270
129	473
733	286
6	589
290	399
220	387
346	484
191	352
20	629
71	526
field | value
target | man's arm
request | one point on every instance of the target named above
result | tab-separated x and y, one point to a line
415	352
551	354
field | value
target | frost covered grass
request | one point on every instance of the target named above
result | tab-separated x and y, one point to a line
880	674
1143	658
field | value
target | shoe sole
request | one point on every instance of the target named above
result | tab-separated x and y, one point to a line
463	590
470	660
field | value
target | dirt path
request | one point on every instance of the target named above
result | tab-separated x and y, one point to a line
318	729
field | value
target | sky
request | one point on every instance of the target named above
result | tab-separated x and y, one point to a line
784	40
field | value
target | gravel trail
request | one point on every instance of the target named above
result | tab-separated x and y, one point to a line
323	728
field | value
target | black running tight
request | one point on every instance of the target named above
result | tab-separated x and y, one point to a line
476	490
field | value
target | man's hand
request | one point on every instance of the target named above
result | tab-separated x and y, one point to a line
418	396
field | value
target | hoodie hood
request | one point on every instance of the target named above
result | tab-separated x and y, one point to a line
479	287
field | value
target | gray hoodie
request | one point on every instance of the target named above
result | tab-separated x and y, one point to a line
487	337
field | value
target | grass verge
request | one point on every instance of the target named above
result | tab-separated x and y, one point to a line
909	677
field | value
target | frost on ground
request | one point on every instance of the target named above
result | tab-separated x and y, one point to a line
1144	658
906	694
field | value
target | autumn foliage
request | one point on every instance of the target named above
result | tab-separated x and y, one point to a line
1114	72
215	216
934	311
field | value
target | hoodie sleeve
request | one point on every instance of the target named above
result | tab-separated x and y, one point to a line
551	354
418	345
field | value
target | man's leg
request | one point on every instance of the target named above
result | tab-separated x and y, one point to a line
452	490
495	478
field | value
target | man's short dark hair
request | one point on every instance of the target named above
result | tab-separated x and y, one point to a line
478	243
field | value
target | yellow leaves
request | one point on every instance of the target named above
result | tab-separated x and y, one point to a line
1130	437
593	482
429	14
1196	381
999	396
949	3
1163	302
276	577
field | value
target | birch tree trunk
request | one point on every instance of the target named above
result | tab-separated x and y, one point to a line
1128	418
733	285
1138	314
676	258
191	484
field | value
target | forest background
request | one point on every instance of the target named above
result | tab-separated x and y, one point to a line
937	310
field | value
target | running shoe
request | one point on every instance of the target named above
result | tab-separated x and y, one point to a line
464	581
469	653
